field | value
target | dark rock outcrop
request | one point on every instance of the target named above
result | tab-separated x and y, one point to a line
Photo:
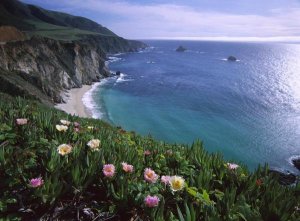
284	178
118	72
181	49
296	163
231	58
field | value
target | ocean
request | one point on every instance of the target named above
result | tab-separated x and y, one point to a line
249	110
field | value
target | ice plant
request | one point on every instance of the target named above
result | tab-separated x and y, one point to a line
165	179
232	166
109	170
94	144
64	149
21	121
150	176
65	122
127	167
151	201
36	182
176	183
61	128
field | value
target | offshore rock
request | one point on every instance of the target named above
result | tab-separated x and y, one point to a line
296	163
284	178
181	49
231	58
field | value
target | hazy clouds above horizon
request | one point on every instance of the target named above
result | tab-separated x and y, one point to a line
190	19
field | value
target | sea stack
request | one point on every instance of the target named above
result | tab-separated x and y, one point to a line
181	49
231	58
118	73
296	163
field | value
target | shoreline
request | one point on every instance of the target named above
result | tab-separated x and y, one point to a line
74	104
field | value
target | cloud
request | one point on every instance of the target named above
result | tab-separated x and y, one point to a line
172	20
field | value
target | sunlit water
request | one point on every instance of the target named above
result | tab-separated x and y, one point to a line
249	110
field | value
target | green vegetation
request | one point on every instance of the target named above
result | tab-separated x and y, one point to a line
71	183
56	25
58	32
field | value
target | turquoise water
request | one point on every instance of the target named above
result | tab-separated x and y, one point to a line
249	110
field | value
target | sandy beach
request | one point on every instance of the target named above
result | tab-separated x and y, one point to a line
74	103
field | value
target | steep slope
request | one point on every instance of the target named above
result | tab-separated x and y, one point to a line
25	17
55	66
13	14
16	84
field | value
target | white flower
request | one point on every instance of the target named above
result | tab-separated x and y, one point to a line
176	183
232	166
62	128
65	122
64	149
94	144
21	121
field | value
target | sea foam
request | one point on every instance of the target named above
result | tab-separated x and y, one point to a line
88	101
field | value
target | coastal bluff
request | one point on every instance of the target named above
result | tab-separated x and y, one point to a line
45	53
53	66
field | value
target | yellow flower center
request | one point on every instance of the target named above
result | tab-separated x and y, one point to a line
109	169
150	175
177	184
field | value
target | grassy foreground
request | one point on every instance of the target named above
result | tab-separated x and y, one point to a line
84	179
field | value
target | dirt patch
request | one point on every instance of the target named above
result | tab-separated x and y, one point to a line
10	33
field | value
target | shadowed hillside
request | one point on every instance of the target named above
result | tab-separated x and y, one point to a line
38	21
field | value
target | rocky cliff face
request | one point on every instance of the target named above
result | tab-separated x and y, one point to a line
55	66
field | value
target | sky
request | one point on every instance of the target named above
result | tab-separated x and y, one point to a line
189	19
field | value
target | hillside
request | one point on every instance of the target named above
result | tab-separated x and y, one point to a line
55	166
35	20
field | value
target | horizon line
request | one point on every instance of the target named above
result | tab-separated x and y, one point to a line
229	39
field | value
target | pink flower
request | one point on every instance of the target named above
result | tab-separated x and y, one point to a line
36	182
109	170
21	121
147	152
127	167
150	176
165	179
232	166
76	129
76	124
151	201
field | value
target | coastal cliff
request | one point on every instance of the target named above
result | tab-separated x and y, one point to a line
54	66
44	53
